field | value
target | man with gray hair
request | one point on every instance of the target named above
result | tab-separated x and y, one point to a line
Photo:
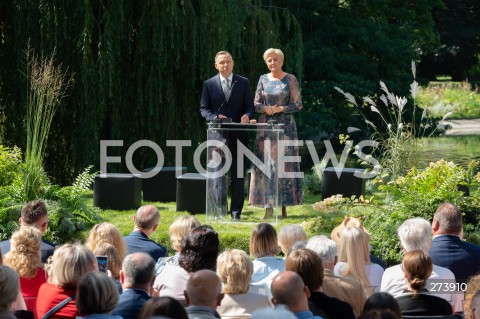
136	278
146	221
415	234
346	289
203	295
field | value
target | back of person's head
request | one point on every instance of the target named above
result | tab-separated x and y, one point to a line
33	211
289	235
382	301
264	241
138	270
273	313
106	233
179	228
9	287
288	289
68	263
147	217
308	264
449	218
415	233
379	314
204	288
325	247
417	266
199	249
235	269
475	306
96	293
163	306
354	251
24	254
114	260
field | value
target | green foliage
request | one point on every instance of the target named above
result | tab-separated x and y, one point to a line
418	194
440	98
10	164
312	183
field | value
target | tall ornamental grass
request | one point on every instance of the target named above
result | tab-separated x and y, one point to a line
47	85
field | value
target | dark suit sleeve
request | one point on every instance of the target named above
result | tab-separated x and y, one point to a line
206	108
248	101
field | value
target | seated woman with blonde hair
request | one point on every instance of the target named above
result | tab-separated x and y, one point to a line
289	235
354	260
24	258
417	301
68	263
106	233
235	270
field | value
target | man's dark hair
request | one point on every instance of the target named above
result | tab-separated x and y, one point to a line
33	211
199	249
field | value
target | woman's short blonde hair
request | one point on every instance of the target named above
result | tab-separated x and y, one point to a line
273	51
24	254
289	235
68	263
179	228
235	269
106	233
96	293
114	260
264	241
9	287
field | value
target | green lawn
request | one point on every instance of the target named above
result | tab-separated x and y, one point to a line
232	234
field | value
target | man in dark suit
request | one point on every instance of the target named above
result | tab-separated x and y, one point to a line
448	249
228	95
146	221
136	278
34	214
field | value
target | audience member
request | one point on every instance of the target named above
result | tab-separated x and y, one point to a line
346	289
199	251
415	233
378	314
264	248
417	301
354	222
24	258
136	277
163	306
289	289
177	230
473	286
474	309
289	235
203	295
97	296
107	233
34	214
9	290
308	264
448	250
68	263
382	301
273	313
19	304
354	261
235	269
146	221
114	262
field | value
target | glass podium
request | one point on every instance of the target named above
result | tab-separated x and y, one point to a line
264	167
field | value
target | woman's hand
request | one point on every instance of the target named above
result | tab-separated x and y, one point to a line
269	109
277	109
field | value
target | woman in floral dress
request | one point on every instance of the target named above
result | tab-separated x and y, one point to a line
277	98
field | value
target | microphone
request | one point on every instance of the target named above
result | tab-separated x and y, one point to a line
229	120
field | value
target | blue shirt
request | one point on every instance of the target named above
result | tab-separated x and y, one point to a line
306	314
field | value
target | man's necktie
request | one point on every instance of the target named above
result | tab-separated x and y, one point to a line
227	88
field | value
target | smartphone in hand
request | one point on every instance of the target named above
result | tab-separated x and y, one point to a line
102	263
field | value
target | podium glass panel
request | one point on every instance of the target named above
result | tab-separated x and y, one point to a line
219	161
